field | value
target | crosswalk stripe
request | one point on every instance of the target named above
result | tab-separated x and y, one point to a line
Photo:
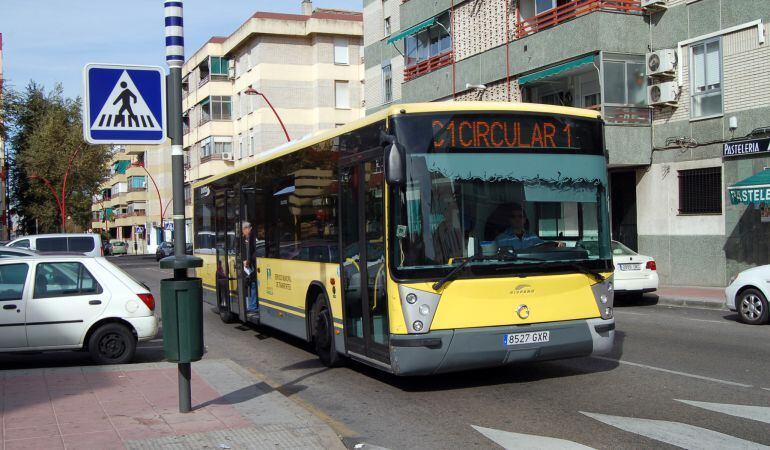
758	413
675	433
129	122
511	441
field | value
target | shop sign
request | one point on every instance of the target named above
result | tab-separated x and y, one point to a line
751	147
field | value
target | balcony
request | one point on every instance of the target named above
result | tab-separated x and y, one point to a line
212	157
429	65
572	10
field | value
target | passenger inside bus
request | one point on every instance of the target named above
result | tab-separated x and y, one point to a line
249	266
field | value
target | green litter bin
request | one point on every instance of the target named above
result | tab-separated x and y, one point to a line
182	308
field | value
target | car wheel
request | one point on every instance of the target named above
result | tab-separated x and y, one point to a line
752	307
323	333
112	343
223	306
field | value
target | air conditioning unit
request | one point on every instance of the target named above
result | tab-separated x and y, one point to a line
231	70
227	156
654	5
663	94
662	62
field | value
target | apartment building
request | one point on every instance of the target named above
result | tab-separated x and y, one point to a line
683	85
135	204
306	69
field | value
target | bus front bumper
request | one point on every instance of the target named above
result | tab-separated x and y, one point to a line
444	351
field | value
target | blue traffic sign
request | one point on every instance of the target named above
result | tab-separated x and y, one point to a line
124	104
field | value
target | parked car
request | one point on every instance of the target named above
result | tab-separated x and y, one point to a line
10	252
164	249
87	243
119	248
634	273
747	294
56	302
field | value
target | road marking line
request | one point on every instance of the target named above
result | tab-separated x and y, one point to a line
674	372
724	322
511	441
767	389
758	413
675	433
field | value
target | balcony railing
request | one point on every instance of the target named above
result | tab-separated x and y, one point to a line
627	115
428	65
570	11
204	80
212	157
137	189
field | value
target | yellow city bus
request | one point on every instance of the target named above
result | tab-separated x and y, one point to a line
424	238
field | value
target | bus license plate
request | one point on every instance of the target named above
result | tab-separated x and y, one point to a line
533	337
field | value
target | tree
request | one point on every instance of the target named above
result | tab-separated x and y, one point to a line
47	147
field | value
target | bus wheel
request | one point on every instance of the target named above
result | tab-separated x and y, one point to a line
323	333
223	305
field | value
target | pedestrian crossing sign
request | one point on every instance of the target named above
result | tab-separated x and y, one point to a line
124	104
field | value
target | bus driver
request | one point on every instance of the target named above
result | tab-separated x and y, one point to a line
516	237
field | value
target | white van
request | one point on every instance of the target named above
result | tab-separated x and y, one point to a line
87	243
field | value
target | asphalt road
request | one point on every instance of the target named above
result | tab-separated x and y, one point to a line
678	377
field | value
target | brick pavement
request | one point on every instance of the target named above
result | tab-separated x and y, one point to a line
136	406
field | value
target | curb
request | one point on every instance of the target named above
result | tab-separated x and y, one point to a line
691	302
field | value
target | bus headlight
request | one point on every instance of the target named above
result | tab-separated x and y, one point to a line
604	294
419	308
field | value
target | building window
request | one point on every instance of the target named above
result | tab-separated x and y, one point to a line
625	82
216	107
240	146
341	54
216	145
387	26
137	183
252	144
430	42
387	83
706	78
341	95
700	191
218	66
542	6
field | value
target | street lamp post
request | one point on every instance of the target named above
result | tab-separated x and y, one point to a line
61	199
251	91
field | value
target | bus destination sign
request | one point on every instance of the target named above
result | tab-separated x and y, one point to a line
503	132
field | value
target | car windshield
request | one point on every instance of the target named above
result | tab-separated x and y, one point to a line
515	208
619	249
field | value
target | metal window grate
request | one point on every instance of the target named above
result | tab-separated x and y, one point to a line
700	191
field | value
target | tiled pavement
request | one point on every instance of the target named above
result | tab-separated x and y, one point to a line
136	406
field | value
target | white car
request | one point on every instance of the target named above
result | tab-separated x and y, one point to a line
634	273
747	294
73	302
89	244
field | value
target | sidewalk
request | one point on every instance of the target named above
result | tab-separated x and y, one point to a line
136	407
696	297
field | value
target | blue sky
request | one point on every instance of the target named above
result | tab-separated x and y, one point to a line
50	41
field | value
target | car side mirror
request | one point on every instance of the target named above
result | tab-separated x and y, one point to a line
395	172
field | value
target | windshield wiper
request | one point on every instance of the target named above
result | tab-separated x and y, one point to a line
453	273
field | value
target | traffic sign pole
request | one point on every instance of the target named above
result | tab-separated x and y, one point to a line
179	295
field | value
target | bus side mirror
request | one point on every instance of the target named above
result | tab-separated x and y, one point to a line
395	172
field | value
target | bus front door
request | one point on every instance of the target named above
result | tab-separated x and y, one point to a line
227	298
364	276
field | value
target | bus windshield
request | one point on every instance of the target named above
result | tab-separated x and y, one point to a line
538	196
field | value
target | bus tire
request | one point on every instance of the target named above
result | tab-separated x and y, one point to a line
223	307
323	333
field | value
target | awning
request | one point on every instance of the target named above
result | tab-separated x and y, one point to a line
121	166
411	30
752	190
556	69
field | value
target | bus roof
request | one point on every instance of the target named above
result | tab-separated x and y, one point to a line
398	109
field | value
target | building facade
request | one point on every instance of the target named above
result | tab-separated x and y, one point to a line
675	80
134	205
305	68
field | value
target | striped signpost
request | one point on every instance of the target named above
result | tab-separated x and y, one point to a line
181	296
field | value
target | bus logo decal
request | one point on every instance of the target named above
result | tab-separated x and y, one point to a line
522	311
